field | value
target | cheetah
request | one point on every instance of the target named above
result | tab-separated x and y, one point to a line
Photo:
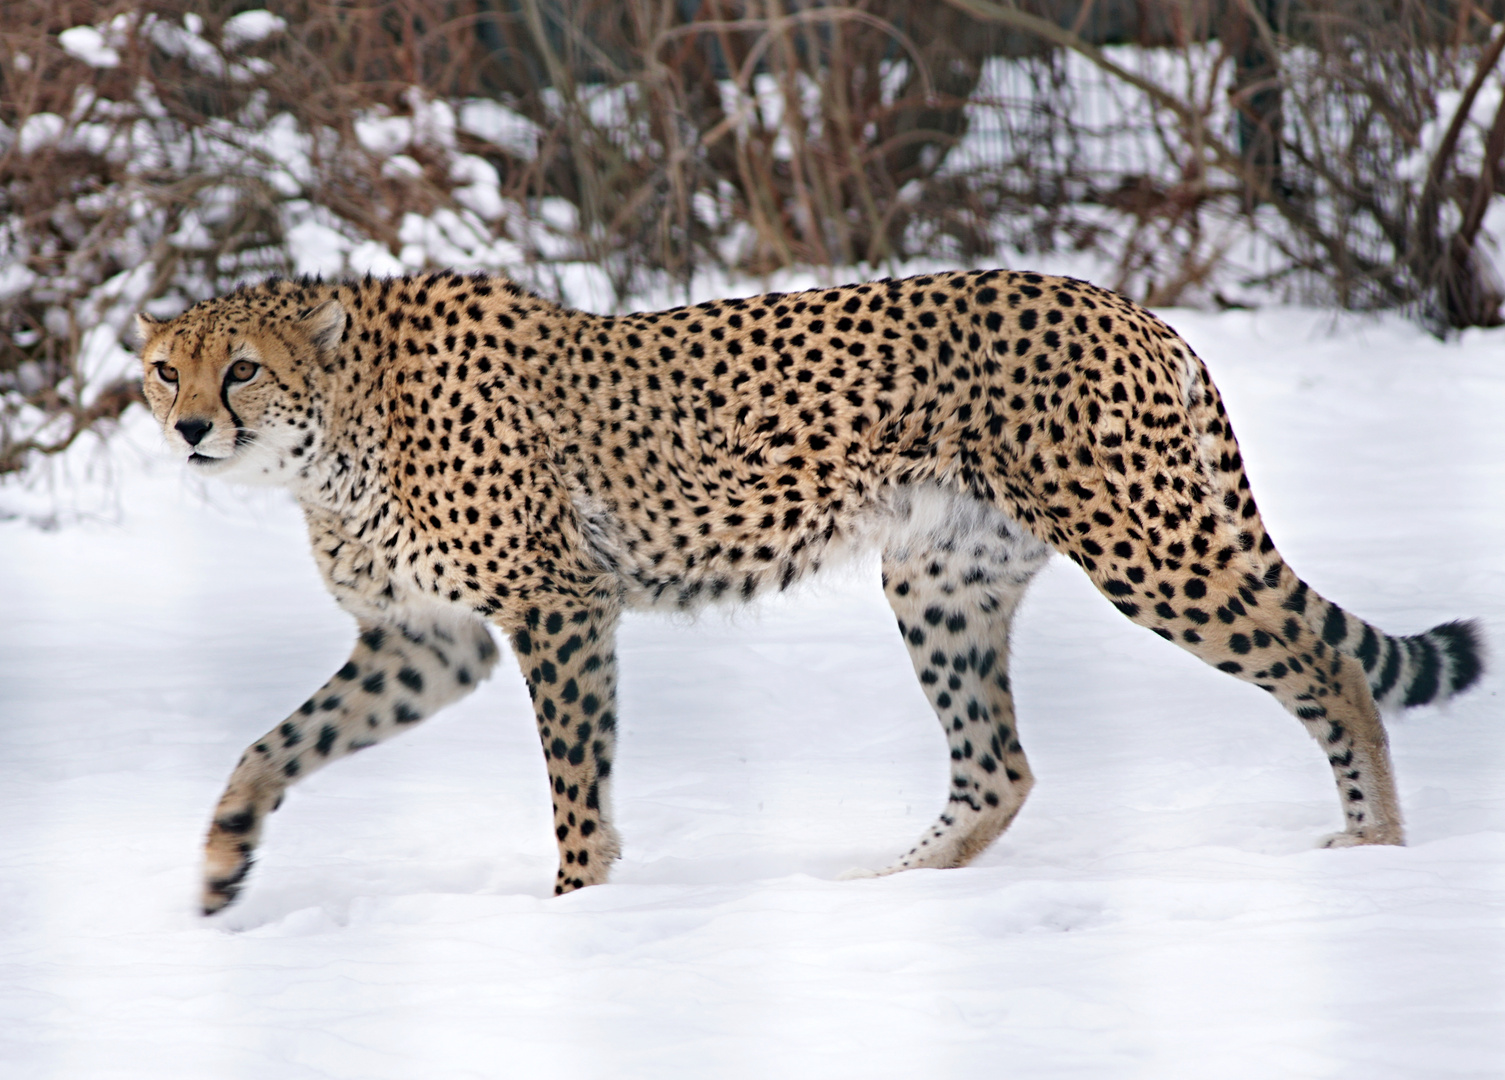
468	454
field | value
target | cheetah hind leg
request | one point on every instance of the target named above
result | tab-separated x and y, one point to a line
954	593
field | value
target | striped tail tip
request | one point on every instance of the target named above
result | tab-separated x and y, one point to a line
1432	666
1463	643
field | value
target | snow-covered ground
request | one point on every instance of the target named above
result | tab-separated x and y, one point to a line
1157	911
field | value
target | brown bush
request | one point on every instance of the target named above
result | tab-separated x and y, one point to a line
124	182
738	134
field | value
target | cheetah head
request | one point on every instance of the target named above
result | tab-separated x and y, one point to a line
235	389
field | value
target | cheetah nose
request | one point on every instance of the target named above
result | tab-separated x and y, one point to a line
193	431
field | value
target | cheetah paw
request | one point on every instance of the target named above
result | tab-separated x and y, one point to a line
220	891
228	855
1364	837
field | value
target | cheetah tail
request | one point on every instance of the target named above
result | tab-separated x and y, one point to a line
1403	672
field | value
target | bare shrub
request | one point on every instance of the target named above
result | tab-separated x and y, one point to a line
1323	120
157	156
756	133
1341	151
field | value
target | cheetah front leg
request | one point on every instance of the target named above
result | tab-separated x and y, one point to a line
399	673
567	652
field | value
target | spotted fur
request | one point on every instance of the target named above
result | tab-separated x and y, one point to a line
466	453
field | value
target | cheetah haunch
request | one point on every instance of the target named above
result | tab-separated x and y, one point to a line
466	452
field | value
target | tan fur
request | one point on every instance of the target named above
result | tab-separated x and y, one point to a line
465	451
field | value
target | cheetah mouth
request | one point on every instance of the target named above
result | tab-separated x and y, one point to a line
202	460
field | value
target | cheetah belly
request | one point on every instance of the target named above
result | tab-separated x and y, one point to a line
922	518
903	521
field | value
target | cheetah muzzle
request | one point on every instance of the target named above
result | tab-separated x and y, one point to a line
467	453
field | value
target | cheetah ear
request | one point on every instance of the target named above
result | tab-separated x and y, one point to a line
146	327
324	326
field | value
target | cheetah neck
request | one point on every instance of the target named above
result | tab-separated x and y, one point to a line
351	392
409	394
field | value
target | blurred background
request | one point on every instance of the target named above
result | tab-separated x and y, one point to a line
1212	153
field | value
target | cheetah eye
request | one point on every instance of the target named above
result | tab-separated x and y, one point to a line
167	373
242	370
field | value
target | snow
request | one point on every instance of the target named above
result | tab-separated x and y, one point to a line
1157	911
317	248
250	27
86	43
501	126
41	129
186	41
383	135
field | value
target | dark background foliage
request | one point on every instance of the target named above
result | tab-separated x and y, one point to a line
1359	141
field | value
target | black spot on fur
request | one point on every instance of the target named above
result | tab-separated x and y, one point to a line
1335	626
239	823
1460	641
412	679
1424	683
